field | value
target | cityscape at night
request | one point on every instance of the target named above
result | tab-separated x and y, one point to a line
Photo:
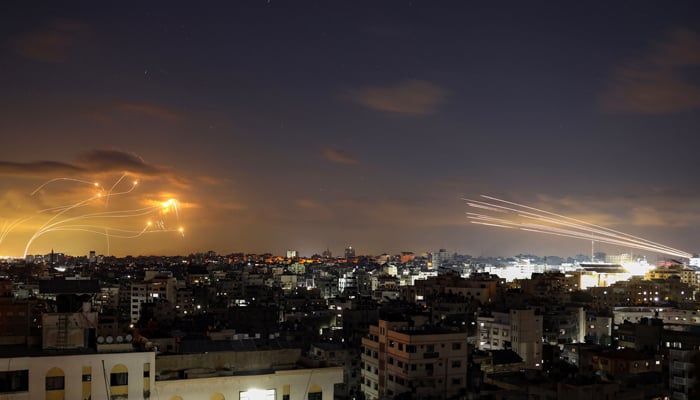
363	200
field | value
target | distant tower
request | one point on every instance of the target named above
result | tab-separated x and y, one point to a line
439	258
292	254
92	258
349	253
327	253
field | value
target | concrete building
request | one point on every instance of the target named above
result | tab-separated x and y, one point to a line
130	375
155	289
683	365
517	330
78	376
398	357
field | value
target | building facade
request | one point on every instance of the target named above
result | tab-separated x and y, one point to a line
398	357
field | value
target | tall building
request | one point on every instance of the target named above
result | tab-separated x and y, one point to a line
517	330
398	357
439	258
152	290
349	253
683	365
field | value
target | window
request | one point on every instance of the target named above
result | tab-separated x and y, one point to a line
55	382
315	396
146	381
391	360
87	382
430	348
263	394
401	346
119	379
456	381
14	381
411	348
456	364
456	346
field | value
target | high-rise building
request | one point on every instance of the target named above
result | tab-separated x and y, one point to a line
292	254
683	365
518	330
439	258
349	253
398	357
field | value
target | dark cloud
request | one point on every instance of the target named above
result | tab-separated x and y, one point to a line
52	42
38	168
414	97
660	81
103	160
93	161
337	156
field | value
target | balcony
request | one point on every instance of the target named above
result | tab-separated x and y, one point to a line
679	396
682	366
679	381
431	354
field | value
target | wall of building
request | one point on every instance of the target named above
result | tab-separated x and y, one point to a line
297	383
233	360
74	367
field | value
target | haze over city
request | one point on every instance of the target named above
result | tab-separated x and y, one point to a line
262	126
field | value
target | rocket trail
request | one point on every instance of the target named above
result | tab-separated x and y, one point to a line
514	215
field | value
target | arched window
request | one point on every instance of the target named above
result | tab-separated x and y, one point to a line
119	382
55	384
315	393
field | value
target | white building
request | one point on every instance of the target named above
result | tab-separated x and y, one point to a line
130	375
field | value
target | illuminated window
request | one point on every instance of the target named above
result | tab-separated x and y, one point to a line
258	394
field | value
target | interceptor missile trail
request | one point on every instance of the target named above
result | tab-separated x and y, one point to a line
520	216
83	216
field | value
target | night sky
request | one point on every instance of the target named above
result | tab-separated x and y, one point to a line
306	125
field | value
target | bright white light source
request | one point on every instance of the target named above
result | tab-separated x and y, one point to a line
258	394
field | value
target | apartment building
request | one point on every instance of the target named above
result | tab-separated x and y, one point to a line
517	330
408	357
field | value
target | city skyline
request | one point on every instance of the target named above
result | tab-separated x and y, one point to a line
261	126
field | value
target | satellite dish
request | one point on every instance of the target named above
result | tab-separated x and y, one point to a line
128	337
100	339
110	339
120	339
